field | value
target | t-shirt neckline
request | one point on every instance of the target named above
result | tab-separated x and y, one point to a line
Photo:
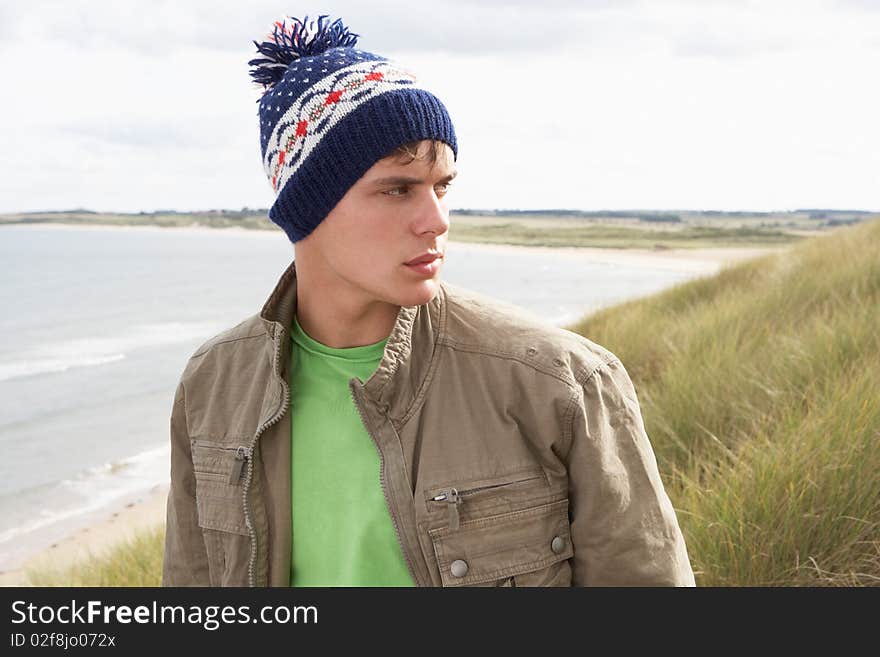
363	353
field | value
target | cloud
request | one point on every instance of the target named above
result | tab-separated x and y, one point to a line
561	103
143	134
706	41
862	5
159	26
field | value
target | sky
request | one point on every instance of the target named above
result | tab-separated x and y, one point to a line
135	105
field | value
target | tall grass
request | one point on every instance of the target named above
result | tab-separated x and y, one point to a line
760	388
133	562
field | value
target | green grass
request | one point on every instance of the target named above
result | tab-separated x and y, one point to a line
134	562
759	387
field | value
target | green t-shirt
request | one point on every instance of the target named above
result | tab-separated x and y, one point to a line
343	534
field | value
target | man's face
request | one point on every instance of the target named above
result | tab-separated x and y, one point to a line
396	213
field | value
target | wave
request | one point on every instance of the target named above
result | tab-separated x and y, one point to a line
64	355
93	489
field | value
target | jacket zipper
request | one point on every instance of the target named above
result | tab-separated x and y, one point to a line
453	497
353	390
242	454
250	462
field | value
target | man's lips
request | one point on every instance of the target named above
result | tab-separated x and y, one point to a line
425	257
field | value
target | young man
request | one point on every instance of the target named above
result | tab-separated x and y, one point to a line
374	426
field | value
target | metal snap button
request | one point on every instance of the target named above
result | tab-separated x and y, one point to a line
459	568
557	544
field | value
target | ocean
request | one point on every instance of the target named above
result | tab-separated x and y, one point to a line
98	324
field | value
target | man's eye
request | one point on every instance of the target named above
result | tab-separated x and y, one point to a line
444	187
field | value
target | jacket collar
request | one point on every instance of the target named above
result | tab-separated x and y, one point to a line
397	384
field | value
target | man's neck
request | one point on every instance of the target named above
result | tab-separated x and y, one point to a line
342	320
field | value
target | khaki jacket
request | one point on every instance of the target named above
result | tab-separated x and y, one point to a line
512	452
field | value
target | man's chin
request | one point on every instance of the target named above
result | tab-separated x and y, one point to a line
417	294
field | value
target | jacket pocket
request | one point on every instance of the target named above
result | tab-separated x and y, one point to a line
528	547
218	473
475	498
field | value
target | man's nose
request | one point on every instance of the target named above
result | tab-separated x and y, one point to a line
433	215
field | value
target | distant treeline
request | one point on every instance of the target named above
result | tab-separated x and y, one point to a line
827	216
652	215
579	214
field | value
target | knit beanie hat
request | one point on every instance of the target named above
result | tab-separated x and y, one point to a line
328	112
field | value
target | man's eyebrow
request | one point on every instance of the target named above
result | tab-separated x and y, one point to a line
406	180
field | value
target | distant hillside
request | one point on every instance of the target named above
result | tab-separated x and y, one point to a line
257	218
553	228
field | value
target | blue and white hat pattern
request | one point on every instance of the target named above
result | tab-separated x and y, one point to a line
328	113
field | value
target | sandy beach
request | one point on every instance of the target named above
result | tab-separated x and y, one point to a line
103	531
99	531
697	261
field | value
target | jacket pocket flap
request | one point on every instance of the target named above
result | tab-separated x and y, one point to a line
219	503
211	457
522	479
502	545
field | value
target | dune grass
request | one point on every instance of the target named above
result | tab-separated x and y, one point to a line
133	562
760	389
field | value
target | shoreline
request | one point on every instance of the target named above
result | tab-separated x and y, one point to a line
701	260
698	260
99	532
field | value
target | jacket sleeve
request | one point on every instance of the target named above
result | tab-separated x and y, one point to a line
623	526
185	561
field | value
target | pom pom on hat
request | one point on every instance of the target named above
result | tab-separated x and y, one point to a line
292	38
